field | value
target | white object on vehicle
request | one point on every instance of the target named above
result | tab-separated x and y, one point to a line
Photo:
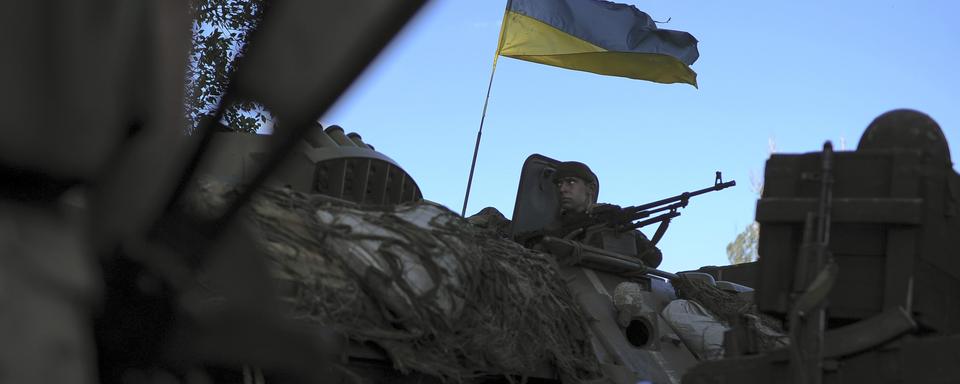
697	327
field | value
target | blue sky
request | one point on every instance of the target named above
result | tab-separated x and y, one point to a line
794	73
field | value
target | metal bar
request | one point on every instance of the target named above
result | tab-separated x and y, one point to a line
473	163
844	210
663	217
483	115
901	251
365	167
647	212
476	147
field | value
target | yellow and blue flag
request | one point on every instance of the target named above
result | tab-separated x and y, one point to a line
597	36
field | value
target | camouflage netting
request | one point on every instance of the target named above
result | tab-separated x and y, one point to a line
731	308
439	295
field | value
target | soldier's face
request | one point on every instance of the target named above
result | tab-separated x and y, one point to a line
575	194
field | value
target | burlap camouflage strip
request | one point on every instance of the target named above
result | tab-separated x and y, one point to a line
440	296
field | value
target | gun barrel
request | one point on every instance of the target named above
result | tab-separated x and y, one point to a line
715	187
624	218
681	197
663	274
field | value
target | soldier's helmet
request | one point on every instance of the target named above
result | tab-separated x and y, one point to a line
906	129
578	170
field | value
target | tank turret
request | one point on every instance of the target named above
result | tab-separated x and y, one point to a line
328	161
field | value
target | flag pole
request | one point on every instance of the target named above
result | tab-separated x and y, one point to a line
483	115
476	147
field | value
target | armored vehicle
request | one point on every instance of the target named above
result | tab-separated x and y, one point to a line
860	240
123	266
348	183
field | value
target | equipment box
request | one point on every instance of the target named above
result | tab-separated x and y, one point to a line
893	234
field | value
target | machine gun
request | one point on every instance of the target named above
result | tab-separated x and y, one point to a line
638	216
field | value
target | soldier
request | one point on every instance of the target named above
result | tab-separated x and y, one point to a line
577	188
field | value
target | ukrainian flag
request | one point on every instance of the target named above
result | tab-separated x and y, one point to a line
597	36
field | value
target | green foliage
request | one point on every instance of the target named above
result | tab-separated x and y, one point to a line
743	249
221	29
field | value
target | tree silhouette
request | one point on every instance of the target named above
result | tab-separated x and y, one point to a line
743	249
221	29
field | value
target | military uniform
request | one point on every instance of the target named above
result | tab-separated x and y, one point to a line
49	286
631	243
92	101
606	238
